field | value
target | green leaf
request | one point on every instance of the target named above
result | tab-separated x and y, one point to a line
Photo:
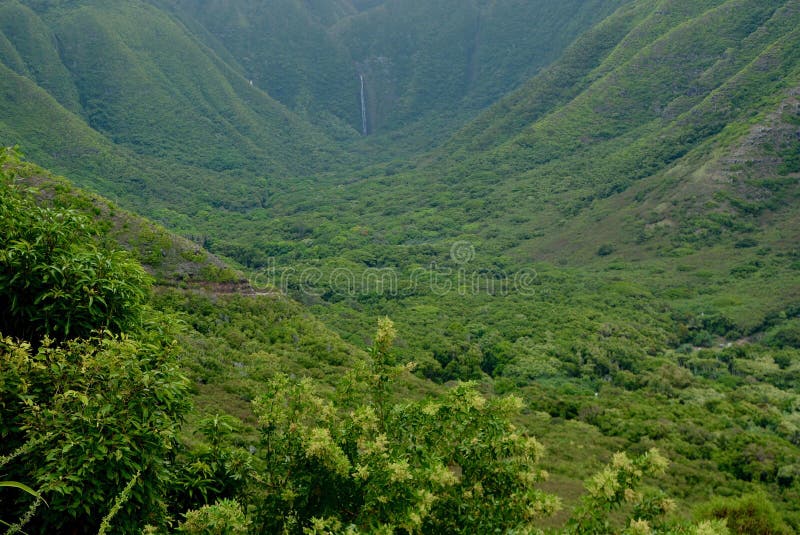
23	487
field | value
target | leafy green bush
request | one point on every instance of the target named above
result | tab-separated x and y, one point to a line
615	486
750	515
451	465
82	421
54	279
223	518
213	471
605	249
786	335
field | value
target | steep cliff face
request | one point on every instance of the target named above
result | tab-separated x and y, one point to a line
447	59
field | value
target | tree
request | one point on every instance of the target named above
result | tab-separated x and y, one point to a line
86	421
54	278
614	486
450	465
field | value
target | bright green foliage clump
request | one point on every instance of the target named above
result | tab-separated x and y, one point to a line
451	465
223	518
88	414
615	485
751	514
54	279
81	420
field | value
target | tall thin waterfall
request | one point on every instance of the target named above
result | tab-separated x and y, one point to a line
363	107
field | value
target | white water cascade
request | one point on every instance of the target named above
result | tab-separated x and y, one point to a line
363	107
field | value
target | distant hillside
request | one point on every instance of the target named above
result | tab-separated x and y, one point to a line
710	134
655	88
144	82
427	66
178	108
661	147
130	102
423	60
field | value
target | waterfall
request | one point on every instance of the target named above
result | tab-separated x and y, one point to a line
363	107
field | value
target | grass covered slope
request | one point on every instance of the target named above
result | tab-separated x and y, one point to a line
649	102
129	101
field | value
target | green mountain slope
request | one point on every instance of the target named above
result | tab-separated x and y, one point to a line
145	99
451	58
154	185
131	103
667	86
616	239
284	48
427	66
29	49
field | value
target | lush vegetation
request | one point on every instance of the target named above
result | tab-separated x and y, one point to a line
91	392
604	257
91	417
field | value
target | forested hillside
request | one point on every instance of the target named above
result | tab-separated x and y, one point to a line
197	405
427	66
581	217
147	99
133	104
